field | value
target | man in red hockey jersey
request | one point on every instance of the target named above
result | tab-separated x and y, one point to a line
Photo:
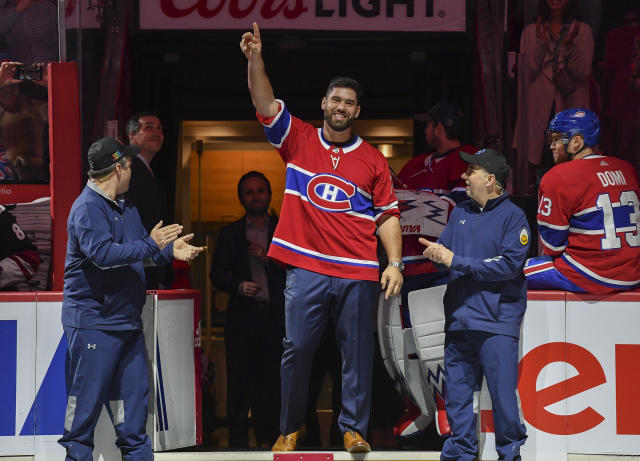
588	214
439	171
338	192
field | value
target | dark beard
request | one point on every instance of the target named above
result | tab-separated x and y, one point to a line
257	211
339	128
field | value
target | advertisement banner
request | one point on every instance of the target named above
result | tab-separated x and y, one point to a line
33	388
602	403
579	378
18	365
543	330
355	15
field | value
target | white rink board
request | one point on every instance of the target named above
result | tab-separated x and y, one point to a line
34	368
602	327
174	321
18	315
570	348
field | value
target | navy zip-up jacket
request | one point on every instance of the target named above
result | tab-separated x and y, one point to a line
487	290
107	247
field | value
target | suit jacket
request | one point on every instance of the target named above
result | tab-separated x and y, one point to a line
148	197
230	266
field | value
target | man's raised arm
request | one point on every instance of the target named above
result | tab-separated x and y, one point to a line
259	86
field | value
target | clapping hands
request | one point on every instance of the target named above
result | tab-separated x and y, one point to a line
183	251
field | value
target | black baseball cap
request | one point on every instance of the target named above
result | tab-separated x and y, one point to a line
492	161
447	113
106	152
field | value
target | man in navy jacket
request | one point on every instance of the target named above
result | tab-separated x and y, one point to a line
104	292
484	244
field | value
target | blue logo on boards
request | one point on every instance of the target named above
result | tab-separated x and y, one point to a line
46	415
9	367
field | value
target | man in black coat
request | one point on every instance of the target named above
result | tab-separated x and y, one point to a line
255	315
145	131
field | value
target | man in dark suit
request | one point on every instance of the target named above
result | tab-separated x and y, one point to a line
255	315
145	131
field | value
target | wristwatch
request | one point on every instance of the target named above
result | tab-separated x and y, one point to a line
397	264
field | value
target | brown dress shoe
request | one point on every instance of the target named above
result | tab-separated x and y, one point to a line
288	442
354	443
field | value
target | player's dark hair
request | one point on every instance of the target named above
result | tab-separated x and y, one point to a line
133	124
346	82
252	174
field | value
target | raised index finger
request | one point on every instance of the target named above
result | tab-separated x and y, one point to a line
426	242
256	31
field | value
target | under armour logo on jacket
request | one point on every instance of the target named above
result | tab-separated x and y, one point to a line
462	221
91	346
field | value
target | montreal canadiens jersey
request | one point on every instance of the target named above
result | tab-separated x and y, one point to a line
334	196
422	214
437	173
589	220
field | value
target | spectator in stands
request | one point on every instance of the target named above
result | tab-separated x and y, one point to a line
144	130
588	216
635	64
18	256
635	85
555	54
8	94
255	316
29	30
7	72
622	94
23	122
590	11
439	171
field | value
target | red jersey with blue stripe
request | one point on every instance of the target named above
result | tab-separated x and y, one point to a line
437	173
589	221
334	196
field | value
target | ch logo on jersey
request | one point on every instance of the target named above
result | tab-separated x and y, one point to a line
330	193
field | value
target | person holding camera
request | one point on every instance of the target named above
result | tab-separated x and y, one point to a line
23	120
7	73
